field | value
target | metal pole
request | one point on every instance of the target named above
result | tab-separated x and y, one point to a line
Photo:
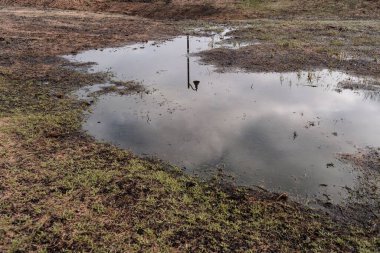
188	62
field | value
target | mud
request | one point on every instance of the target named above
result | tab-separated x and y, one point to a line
303	45
363	205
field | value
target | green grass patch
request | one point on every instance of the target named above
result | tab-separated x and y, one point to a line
62	191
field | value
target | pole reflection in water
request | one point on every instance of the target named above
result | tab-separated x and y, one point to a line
196	83
257	131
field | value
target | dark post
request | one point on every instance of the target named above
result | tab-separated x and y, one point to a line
188	62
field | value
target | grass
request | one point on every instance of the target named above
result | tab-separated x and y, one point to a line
309	8
292	45
253	3
62	191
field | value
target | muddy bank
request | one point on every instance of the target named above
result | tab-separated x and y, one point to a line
32	38
363	204
281	46
274	58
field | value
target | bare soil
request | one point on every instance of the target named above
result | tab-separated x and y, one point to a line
178	10
351	46
363	205
218	9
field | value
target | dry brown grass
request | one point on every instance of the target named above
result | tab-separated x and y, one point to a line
219	9
62	191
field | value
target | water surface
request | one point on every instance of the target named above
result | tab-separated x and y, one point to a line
278	130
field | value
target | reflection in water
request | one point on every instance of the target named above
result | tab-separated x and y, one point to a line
196	83
275	130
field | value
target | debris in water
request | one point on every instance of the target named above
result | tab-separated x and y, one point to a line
282	197
310	124
200	126
327	196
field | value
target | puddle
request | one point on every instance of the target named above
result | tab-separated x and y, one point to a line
279	131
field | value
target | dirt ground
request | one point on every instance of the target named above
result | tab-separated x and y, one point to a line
60	190
218	9
364	201
31	38
351	46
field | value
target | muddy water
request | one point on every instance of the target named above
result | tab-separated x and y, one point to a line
279	131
